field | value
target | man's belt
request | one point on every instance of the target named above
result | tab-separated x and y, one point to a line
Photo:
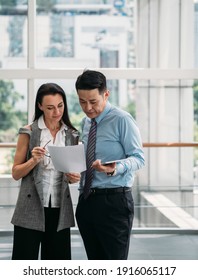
109	190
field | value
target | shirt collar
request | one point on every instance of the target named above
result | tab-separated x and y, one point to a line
41	124
104	112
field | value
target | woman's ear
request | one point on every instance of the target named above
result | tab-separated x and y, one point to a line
40	106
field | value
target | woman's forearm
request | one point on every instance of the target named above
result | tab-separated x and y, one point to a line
21	170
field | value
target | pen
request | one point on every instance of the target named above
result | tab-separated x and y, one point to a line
46	144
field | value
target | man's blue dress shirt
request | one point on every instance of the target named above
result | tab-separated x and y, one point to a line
117	138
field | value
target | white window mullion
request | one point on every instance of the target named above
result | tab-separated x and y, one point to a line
31	54
31	33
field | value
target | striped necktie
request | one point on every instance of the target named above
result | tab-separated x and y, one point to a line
90	157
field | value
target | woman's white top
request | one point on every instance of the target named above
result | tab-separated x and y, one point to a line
51	178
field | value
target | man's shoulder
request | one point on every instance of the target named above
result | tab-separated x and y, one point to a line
116	111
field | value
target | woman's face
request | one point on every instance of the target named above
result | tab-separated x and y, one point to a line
52	107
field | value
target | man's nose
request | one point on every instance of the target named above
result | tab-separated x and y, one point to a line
88	106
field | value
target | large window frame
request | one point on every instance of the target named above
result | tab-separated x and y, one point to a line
31	73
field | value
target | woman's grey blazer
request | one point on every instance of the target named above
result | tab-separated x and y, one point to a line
29	210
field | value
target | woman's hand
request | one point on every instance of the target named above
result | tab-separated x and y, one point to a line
38	153
73	177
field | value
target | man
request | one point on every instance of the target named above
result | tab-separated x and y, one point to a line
105	208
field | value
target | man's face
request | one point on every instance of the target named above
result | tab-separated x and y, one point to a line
91	102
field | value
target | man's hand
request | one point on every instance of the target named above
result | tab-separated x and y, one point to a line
109	168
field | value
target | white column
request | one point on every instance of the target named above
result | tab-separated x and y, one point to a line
165	108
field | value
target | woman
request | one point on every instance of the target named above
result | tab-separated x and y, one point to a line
44	214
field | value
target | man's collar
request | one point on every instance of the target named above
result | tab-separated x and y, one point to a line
104	112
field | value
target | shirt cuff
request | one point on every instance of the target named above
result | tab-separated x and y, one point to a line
120	168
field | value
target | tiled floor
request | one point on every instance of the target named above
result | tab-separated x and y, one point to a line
164	247
178	210
142	247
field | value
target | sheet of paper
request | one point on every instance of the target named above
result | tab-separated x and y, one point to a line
69	158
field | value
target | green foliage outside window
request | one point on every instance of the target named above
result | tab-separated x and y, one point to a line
10	117
8	2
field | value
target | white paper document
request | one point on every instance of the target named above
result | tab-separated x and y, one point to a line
69	158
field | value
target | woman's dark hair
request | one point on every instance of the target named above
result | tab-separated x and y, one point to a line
91	79
51	89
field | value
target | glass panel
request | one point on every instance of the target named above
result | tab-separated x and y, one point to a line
13	115
163	36
85	34
196	32
13	33
166	209
8	195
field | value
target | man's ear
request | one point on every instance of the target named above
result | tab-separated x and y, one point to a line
106	94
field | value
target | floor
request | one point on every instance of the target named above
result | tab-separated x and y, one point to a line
162	210
142	247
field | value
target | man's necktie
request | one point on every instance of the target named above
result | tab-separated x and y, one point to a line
90	157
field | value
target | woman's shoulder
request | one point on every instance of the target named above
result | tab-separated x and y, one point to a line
28	126
27	129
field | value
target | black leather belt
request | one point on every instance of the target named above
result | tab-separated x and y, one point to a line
109	190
